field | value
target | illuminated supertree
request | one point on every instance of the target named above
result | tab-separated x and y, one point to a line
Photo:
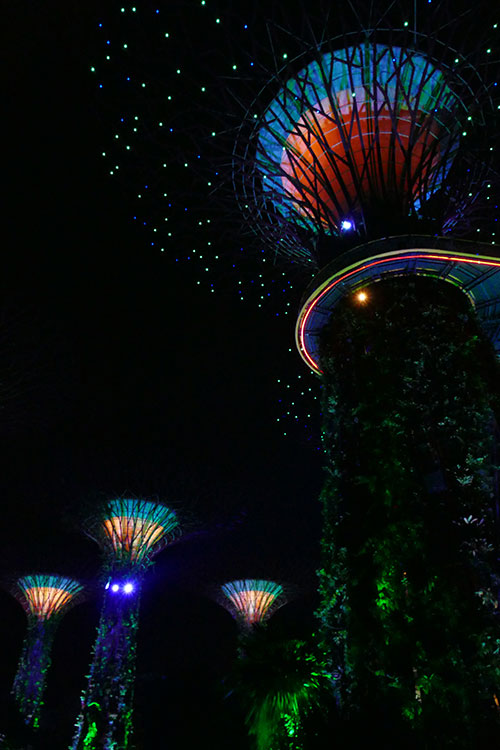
369	145
252	601
129	532
386	136
280	681
371	122
44	598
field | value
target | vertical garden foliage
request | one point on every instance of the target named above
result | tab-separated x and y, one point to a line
408	584
29	682
106	718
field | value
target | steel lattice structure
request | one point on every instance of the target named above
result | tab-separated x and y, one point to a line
129	532
44	598
367	131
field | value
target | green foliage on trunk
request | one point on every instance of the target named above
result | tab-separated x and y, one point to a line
105	720
408	584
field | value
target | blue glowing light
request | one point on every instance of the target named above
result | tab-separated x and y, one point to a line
127	587
346	225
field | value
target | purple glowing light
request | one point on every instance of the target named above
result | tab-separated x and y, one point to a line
125	588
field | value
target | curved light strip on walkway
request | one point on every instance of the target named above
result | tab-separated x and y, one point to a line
358	269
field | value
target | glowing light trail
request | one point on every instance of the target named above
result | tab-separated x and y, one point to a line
362	272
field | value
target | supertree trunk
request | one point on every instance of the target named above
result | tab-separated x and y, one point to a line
44	597
31	675
129	531
105	720
408	584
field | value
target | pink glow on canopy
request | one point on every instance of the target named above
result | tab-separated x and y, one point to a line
132	535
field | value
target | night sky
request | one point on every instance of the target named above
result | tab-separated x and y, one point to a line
121	375
118	374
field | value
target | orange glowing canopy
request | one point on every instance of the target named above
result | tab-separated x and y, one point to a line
132	534
358	125
252	601
132	530
327	174
45	596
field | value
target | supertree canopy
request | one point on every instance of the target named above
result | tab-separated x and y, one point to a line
252	601
130	532
44	598
358	127
375	132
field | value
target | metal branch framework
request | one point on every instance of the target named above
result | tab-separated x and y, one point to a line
44	598
252	601
368	130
